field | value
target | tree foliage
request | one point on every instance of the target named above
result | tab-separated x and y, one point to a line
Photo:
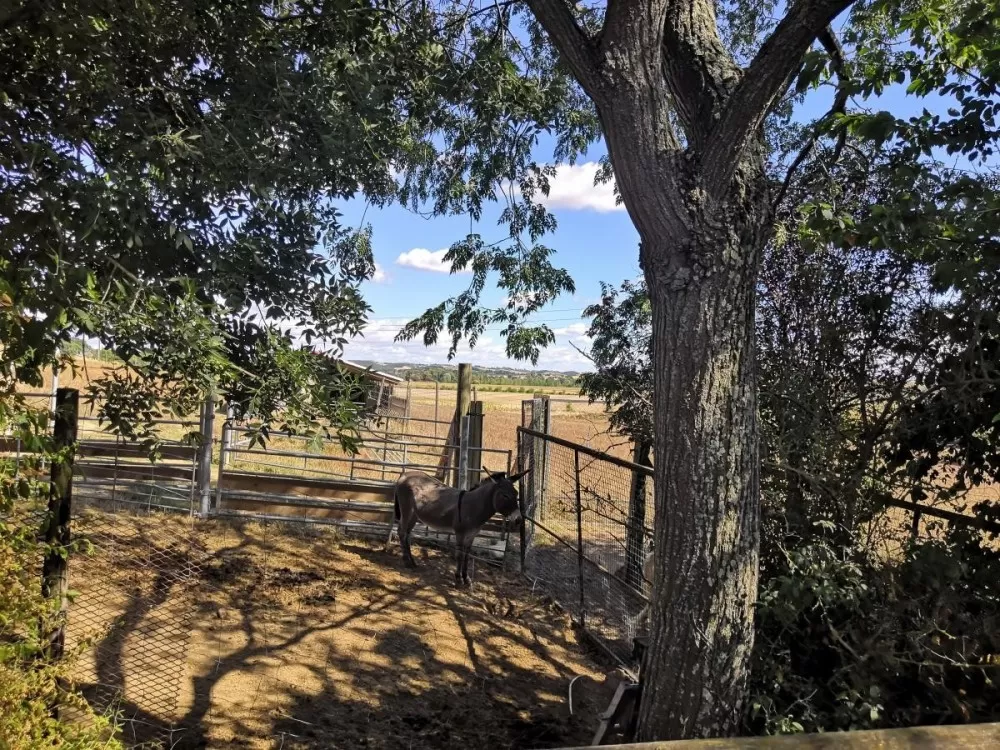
621	350
168	171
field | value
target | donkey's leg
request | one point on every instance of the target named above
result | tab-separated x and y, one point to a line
406	524
459	558
466	556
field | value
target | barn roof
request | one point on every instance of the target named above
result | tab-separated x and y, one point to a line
367	372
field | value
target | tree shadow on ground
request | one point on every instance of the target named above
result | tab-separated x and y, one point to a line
348	649
432	705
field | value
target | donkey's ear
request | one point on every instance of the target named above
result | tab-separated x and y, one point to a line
515	477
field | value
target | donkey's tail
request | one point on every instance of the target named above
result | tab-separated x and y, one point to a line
395	502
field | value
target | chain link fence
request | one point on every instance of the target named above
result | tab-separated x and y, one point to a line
588	530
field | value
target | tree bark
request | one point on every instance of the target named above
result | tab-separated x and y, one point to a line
701	207
635	548
706	491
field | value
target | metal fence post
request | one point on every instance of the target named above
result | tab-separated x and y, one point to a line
224	445
54	401
437	390
579	537
524	496
205	455
409	399
635	528
55	579
463	454
547	449
385	448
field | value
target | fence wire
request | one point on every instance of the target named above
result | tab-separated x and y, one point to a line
589	526
242	632
135	577
228	633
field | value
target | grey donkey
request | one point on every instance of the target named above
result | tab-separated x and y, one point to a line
419	497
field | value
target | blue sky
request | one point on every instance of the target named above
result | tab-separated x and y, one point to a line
595	241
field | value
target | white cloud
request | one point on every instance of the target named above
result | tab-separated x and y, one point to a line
518	300
380	276
571	331
426	260
573	188
378	343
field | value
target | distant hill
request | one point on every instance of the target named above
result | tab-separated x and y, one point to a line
491	375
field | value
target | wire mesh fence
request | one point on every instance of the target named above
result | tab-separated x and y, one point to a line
589	523
242	632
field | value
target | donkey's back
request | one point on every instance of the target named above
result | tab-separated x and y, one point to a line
425	497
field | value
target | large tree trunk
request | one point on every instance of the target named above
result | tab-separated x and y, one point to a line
706	479
682	121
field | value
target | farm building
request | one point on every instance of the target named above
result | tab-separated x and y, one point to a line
384	396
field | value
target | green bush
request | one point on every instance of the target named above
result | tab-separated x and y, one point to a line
845	641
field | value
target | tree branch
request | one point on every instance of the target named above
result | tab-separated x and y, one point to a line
624	385
763	83
574	45
832	44
698	69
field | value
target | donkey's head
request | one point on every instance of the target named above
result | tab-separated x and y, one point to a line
505	494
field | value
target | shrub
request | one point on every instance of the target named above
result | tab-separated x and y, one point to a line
848	642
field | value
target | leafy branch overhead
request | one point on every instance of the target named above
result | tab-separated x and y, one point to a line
524	57
161	194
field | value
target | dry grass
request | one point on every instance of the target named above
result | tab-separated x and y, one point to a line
572	419
303	639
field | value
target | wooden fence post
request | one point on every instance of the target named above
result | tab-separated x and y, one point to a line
476	443
463	398
205	454
540	419
55	579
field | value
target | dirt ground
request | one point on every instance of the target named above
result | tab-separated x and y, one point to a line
261	636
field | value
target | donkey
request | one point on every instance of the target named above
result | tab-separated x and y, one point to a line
464	512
